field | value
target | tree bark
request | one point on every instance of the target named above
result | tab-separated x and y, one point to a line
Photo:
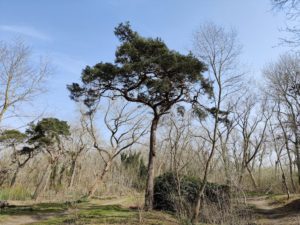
200	197
73	172
99	180
150	179
14	178
252	177
291	171
39	187
297	157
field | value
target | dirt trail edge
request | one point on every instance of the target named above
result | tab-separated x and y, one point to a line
28	219
269	213
39	217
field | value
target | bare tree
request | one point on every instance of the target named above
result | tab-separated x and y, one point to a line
20	79
283	80
220	50
78	145
279	145
252	124
292	12
285	4
286	137
126	128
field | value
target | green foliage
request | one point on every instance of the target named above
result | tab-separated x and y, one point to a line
166	193
142	170
12	136
164	188
146	71
47	131
131	160
15	137
135	167
84	213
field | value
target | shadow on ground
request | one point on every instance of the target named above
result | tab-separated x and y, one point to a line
285	214
81	213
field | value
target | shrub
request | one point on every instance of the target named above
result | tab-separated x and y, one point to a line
173	195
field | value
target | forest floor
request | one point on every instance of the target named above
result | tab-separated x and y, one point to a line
106	211
276	210
268	210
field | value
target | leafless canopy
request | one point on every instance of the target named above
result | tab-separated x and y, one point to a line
20	78
220	50
292	12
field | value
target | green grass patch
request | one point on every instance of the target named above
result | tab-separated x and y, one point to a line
105	211
87	213
14	193
34	209
256	194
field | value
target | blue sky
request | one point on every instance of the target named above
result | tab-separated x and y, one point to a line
75	33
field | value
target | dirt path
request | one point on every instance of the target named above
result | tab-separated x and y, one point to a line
275	214
39	217
25	219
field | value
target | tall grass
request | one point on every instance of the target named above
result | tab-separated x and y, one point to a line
14	193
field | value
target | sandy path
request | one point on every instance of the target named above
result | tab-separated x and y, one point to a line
267	214
27	219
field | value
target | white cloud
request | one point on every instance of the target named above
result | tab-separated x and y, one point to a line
25	30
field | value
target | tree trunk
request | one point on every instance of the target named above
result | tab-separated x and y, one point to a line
252	178
39	187
200	197
260	169
226	165
14	178
199	203
73	172
291	171
241	176
53	175
99	180
297	159
284	183
61	176
150	179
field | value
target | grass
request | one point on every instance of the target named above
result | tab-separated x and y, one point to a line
3	218
34	209
87	213
14	193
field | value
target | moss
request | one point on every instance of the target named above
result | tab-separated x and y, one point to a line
34	209
106	211
52	221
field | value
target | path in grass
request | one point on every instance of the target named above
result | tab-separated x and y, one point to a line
19	213
26	219
110	211
276	210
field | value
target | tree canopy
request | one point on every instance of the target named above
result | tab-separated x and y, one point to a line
145	71
12	136
48	130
